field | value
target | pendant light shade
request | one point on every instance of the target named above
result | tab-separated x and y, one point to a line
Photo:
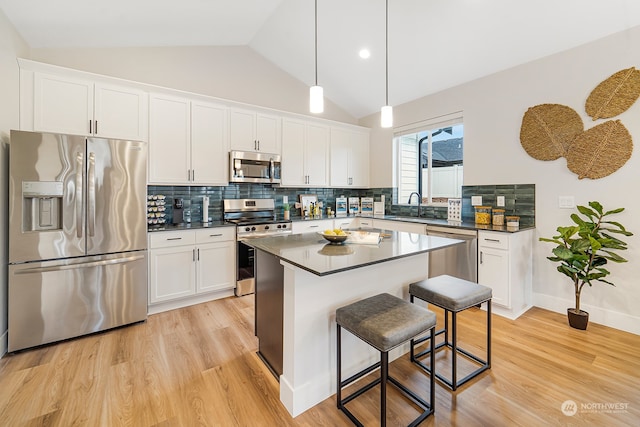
316	95
386	116
316	99
386	113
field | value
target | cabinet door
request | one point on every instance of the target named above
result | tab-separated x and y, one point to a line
216	266
242	133
293	137
268	133
169	140
62	105
171	273
120	112
316	155
359	159
209	148
340	152
493	271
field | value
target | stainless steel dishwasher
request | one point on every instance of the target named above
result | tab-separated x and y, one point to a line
458	261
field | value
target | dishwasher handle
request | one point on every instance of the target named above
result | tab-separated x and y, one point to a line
452	235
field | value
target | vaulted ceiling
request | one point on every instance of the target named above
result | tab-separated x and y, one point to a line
433	44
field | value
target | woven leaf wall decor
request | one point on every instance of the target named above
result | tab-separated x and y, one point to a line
600	151
548	130
615	95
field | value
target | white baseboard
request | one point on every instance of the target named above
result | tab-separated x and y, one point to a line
4	343
613	319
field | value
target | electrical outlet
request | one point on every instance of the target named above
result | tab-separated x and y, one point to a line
476	200
566	202
500	201
285	199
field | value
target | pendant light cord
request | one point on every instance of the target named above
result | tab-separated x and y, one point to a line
386	53
316	39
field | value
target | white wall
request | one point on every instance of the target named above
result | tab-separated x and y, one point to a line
11	46
231	72
493	108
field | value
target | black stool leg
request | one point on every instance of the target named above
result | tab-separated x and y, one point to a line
339	368
454	350
432	374
489	334
384	376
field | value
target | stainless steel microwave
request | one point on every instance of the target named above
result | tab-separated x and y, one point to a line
247	166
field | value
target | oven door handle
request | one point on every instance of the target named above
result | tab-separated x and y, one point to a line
272	169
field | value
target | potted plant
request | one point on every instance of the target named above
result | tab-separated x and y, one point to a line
584	249
286	209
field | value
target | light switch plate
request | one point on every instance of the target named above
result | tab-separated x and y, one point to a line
285	199
566	202
476	200
500	201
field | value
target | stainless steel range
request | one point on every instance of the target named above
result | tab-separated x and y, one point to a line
253	218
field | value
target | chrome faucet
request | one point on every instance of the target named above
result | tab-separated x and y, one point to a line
419	200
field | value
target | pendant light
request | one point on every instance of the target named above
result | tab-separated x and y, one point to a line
316	98
386	113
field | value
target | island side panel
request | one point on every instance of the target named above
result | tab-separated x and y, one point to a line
310	302
269	310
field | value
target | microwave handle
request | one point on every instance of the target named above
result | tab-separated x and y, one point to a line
272	169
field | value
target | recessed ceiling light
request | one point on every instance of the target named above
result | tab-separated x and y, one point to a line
364	53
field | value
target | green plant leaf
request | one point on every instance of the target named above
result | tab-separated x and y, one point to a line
615	211
563	253
596	206
586	211
575	218
612	256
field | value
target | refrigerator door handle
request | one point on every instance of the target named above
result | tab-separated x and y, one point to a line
91	183
80	265
79	192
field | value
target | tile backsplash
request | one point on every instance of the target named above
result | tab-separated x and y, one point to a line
519	199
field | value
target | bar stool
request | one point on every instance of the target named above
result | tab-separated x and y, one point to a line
384	322
453	295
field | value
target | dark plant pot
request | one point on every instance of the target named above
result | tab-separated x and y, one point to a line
578	320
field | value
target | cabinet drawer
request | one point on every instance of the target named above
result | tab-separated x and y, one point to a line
345	223
218	234
493	240
164	239
312	226
366	222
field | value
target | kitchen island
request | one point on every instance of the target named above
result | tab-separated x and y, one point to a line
301	280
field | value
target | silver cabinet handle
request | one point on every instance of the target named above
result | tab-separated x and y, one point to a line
193	174
96	128
91	184
314	226
174	238
79	192
480	257
193	255
492	240
215	235
198	253
89	126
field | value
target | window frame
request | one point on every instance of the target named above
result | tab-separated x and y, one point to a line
452	119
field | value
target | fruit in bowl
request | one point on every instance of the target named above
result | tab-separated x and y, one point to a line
335	236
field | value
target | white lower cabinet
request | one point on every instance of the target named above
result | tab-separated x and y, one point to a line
311	226
407	227
190	266
505	265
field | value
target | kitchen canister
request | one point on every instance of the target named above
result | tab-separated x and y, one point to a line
483	215
498	217
513	221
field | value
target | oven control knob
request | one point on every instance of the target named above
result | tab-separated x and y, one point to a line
284	225
247	229
279	226
253	229
266	227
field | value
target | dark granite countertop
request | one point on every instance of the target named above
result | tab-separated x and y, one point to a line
311	252
188	226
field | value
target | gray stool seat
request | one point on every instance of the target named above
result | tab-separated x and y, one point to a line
453	295
384	322
450	293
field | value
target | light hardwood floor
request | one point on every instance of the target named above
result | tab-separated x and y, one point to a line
197	367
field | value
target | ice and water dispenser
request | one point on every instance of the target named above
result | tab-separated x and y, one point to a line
42	205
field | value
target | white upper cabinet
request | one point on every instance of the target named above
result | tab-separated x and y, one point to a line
209	144
187	142
70	105
254	131
305	154
349	158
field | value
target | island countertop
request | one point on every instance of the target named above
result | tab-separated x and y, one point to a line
311	252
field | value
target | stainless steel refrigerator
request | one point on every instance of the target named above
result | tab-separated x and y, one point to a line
77	236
